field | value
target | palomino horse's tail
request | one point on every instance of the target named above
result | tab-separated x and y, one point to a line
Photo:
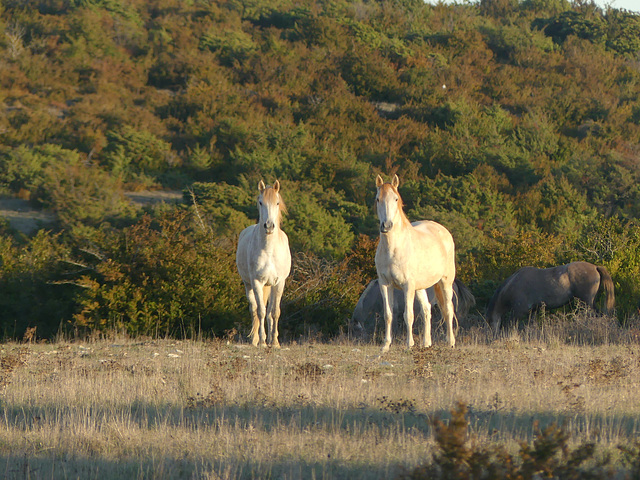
607	284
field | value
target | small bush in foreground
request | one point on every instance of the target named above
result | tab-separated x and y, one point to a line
461	457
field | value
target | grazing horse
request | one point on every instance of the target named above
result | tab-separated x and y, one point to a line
554	287
368	311
412	257
263	259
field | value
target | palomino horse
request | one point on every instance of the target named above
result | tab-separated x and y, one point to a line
264	262
531	287
412	257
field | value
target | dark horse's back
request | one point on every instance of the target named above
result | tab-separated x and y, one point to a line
530	287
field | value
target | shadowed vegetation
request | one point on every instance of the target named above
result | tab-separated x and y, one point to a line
515	124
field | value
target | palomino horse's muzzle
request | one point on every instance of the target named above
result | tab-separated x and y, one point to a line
386	226
269	227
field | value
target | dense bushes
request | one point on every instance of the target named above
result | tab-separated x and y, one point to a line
460	456
513	123
160	277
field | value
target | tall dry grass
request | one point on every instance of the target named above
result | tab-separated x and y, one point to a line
212	409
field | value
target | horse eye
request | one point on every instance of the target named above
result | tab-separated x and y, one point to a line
260	202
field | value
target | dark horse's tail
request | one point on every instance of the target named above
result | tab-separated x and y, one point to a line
463	298
607	284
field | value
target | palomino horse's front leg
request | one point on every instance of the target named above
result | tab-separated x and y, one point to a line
261	311
425	306
387	305
409	296
273	314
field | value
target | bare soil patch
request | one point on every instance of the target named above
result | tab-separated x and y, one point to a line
27	219
23	217
151	197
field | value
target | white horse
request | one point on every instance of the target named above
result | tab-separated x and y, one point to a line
263	259
413	257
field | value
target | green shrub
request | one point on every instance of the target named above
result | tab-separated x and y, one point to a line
312	225
615	243
23	168
460	456
57	179
32	288
230	46
162	278
623	34
321	294
228	209
135	155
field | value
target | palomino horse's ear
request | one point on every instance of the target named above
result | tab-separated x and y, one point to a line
396	181
276	186
261	186
379	181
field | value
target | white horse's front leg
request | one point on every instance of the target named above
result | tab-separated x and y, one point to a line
261	311
425	306
409	296
255	319
387	305
268	318
274	313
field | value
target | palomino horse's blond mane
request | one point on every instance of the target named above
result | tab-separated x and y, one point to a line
412	257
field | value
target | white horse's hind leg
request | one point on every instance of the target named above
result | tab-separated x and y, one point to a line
409	296
425	306
444	294
387	305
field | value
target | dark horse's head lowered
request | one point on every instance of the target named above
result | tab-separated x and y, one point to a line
554	287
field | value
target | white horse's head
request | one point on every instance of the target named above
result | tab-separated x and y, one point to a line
388	203
270	206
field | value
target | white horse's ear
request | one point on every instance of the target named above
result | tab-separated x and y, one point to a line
379	181
261	186
276	186
396	181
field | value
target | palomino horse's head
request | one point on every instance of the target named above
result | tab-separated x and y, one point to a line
388	203
270	205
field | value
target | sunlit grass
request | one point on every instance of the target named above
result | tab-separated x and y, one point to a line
211	409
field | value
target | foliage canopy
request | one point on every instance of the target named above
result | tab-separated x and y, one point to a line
514	123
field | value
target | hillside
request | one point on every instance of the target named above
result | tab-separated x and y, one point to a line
516	124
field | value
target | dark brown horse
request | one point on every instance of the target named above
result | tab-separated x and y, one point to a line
554	287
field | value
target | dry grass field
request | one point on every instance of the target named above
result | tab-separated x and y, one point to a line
122	408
